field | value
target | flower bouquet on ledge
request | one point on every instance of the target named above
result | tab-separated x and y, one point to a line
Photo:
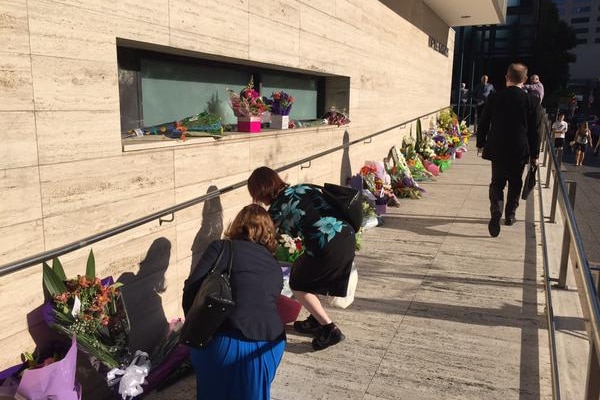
249	107
281	104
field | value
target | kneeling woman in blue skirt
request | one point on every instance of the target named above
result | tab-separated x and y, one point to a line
241	360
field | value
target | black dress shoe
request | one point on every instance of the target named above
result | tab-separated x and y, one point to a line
329	336
494	225
309	326
510	221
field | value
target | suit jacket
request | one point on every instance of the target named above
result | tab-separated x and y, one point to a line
510	126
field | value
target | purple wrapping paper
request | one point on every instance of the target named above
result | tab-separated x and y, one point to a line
56	379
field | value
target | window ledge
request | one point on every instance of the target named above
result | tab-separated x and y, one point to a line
150	142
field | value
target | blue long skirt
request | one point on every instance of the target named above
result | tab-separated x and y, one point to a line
232	368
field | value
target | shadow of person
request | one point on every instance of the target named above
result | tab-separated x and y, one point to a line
346	168
141	295
211	227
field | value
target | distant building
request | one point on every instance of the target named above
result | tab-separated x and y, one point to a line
584	17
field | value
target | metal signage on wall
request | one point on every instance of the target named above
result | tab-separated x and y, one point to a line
438	46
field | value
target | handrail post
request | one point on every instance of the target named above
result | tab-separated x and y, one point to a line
593	383
554	201
548	170
546	154
566	246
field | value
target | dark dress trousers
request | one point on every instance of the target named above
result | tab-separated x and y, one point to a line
509	133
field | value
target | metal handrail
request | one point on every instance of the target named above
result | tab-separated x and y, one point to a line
592	303
48	255
549	309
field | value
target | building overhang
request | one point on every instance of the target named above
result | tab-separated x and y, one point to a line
469	12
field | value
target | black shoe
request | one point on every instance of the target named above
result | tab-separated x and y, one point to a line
509	221
328	337
494	225
309	326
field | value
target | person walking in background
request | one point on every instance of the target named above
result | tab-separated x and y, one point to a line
240	362
324	267
535	87
572	108
559	129
462	101
583	136
508	135
481	93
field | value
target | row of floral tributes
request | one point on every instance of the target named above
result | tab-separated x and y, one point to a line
418	159
90	310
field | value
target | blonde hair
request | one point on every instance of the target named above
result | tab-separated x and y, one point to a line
253	223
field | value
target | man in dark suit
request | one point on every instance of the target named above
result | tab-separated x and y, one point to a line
509	135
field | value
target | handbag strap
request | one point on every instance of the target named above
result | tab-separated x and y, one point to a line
229	245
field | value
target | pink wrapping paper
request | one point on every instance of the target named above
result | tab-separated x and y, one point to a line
56	379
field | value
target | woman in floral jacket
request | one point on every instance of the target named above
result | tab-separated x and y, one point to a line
324	267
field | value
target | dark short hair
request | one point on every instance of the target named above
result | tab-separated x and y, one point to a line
253	223
517	72
264	185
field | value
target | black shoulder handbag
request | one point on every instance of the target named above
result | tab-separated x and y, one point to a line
212	304
346	201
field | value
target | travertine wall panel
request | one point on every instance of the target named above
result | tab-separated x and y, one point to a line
68	84
65	136
203	42
16	91
222	21
13	29
327	7
20	196
58	230
198	164
279	11
69	32
150	11
21	240
19	299
316	22
284	148
285	39
18	140
67	187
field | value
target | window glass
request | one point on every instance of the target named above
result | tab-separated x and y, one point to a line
173	90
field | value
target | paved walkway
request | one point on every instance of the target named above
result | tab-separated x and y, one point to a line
442	311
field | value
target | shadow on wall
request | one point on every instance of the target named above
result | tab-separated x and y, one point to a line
346	169
141	294
211	227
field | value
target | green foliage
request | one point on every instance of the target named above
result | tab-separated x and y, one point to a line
90	269
53	284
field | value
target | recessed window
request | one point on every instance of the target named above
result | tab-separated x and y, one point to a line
582	41
157	88
581	30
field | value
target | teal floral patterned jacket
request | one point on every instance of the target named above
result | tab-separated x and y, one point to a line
301	210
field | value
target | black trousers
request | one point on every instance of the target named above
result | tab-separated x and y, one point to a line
503	172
